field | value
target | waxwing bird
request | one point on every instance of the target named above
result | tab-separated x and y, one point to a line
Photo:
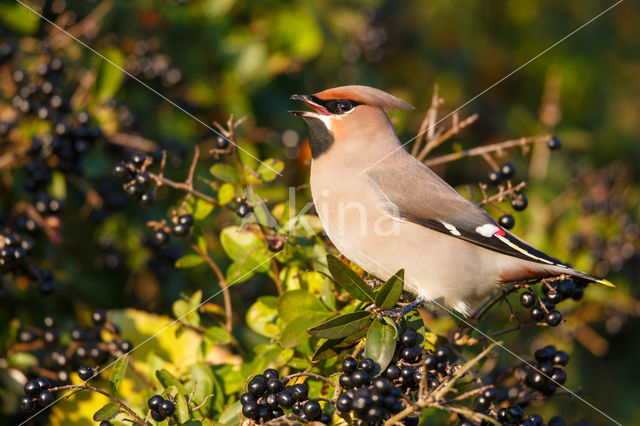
386	211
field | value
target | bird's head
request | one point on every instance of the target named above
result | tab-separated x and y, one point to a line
346	113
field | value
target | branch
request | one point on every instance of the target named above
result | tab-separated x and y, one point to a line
496	147
457	126
315	376
223	284
136	419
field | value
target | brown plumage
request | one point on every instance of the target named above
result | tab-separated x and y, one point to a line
387	211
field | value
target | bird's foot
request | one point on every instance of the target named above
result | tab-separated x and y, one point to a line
398	313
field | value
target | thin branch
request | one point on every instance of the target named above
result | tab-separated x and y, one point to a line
428	125
202	404
223	284
313	375
137	419
496	147
509	191
182	186
456	128
134	142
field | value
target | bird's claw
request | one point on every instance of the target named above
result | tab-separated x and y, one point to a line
398	313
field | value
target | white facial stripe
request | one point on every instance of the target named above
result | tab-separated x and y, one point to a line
487	230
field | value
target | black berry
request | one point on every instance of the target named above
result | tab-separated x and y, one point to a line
554	144
553	318
507	221
26	404
312	410
85	372
409	338
154	402
45	397
508	170
519	202
349	365
527	299
166	408
368	365
537	313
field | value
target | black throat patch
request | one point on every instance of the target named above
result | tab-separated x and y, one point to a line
320	138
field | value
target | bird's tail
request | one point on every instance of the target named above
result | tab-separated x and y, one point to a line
590	278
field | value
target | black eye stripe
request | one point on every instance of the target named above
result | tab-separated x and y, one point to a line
336	106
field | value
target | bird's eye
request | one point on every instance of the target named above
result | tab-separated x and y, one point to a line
344	106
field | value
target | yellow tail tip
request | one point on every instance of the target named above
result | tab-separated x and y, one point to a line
605	283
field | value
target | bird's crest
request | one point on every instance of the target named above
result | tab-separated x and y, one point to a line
364	95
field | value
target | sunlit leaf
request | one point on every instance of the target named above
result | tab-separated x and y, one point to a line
189	261
225	172
110	77
350	281
269	169
261	316
226	193
381	344
390	292
107	412
117	373
343	325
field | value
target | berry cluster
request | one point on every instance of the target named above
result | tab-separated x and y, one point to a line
549	370
554	293
135	179
37	393
514	416
375	399
16	250
161	408
268	396
144	61
85	350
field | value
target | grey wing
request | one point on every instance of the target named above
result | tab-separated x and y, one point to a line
416	194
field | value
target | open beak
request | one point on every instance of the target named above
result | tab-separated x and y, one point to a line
312	102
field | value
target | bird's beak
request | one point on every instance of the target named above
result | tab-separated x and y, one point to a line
313	103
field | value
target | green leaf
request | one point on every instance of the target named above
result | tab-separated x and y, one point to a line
117	373
381	343
295	332
226	193
217	335
185	312
246	248
260	211
182	409
349	280
293	303
390	292
107	412
18	18
199	208
231	416
262	315
167	379
110	77
23	359
203	379
225	172
189	261
343	325
269	169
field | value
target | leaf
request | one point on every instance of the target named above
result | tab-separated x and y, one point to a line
107	412
225	172
295	332
189	261
226	193
217	335
117	373
261	316
199	208
185	313
294	303
260	212
167	379
269	169
182	409
19	18
202	378
110	77
390	292
380	344
231	416
343	325
246	248
350	281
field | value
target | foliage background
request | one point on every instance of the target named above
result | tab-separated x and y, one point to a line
247	58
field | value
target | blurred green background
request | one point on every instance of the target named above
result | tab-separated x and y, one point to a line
221	57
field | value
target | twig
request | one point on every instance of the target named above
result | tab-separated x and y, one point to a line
202	404
182	186
515	328
496	147
313	375
134	142
457	126
509	191
428	125
137	419
223	284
